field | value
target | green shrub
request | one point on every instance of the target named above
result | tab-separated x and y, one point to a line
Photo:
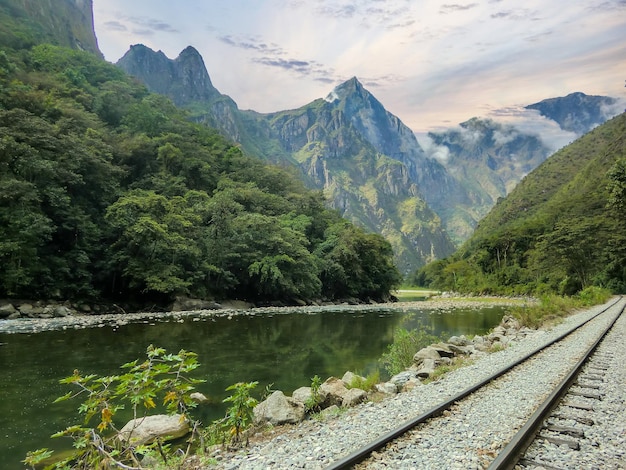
405	344
553	307
315	400
240	414
593	295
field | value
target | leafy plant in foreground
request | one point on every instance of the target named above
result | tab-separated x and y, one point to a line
161	377
239	415
315	400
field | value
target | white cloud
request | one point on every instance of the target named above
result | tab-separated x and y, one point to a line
432	150
530	121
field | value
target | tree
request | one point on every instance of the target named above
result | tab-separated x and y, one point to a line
155	246
617	186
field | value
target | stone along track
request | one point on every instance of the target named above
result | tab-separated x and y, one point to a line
470	429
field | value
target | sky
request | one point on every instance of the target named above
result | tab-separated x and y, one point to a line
432	63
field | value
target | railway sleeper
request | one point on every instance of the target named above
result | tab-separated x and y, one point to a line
577	393
593	377
574	445
578	406
584	385
569	431
579	419
534	463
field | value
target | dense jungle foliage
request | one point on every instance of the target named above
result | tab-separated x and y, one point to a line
108	191
562	229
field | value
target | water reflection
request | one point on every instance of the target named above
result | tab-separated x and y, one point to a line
283	349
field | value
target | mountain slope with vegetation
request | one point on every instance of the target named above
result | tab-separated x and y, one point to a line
487	159
368	163
109	191
563	228
68	23
335	143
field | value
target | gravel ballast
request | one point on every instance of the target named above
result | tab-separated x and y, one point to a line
467	437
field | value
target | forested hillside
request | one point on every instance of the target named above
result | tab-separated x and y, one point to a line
366	161
562	228
109	191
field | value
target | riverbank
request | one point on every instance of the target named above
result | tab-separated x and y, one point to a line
73	319
316	443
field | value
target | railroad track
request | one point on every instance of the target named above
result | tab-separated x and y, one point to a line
409	445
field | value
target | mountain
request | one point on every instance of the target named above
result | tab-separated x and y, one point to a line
67	23
184	79
487	159
368	163
577	112
561	229
466	170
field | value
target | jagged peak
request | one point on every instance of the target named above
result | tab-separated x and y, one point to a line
141	49
191	52
347	88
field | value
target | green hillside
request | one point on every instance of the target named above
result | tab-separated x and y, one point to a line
561	229
68	23
110	192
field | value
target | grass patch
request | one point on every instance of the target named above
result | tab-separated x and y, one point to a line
443	369
365	383
552	308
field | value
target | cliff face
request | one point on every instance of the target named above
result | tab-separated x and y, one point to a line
368	163
184	79
67	23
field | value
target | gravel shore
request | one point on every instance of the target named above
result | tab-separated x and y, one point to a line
80	321
316	444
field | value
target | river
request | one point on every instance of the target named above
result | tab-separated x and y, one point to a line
283	347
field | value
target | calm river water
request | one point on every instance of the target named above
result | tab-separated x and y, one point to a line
285	350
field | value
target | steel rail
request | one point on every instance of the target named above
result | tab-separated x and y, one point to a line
514	450
361	454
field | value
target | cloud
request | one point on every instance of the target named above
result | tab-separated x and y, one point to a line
272	55
530	121
519	14
611	110
611	5
505	134
115	26
454	7
386	14
139	25
151	24
338	11
253	44
291	64
432	150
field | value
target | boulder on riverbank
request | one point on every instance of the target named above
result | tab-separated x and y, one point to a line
279	409
145	430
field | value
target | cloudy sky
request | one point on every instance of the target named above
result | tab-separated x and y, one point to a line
433	63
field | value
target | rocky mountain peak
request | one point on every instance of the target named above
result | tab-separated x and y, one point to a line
184	79
578	112
349	88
